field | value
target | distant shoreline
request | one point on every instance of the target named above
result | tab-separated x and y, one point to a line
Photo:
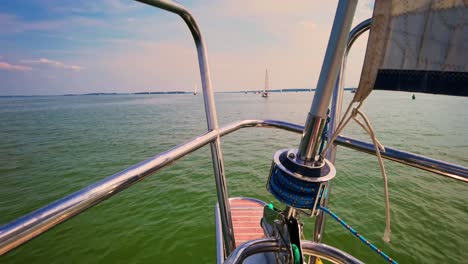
290	90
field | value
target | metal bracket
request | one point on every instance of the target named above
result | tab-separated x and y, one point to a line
287	232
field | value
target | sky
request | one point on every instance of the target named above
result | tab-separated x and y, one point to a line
51	47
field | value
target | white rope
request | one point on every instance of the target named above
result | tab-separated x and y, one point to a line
378	147
344	121
381	147
371	132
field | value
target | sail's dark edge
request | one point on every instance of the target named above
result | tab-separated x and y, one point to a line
435	82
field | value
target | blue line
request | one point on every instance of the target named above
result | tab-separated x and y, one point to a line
355	233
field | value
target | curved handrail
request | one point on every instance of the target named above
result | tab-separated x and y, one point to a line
37	222
357	31
210	111
418	161
327	252
253	247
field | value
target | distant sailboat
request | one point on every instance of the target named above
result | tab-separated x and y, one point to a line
195	90
265	89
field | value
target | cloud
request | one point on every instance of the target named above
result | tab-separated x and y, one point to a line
141	50
145	65
121	6
290	40
14	24
53	63
12	67
93	7
241	42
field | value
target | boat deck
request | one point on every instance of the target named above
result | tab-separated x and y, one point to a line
246	214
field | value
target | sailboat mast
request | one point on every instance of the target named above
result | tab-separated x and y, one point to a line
265	89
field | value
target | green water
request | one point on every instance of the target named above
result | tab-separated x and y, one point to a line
52	146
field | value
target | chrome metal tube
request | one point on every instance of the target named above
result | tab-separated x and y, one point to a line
220	257
357	31
309	248
335	114
418	161
436	166
425	163
27	227
254	247
310	140
35	223
211	116
335	110
327	252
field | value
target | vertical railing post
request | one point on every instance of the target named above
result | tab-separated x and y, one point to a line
211	117
216	153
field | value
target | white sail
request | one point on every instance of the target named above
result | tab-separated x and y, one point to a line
416	46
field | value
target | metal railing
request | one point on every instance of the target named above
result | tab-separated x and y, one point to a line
323	251
29	226
210	111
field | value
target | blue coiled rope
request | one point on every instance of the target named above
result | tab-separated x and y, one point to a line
356	234
292	191
302	194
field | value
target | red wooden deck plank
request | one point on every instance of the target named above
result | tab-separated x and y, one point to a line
246	216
